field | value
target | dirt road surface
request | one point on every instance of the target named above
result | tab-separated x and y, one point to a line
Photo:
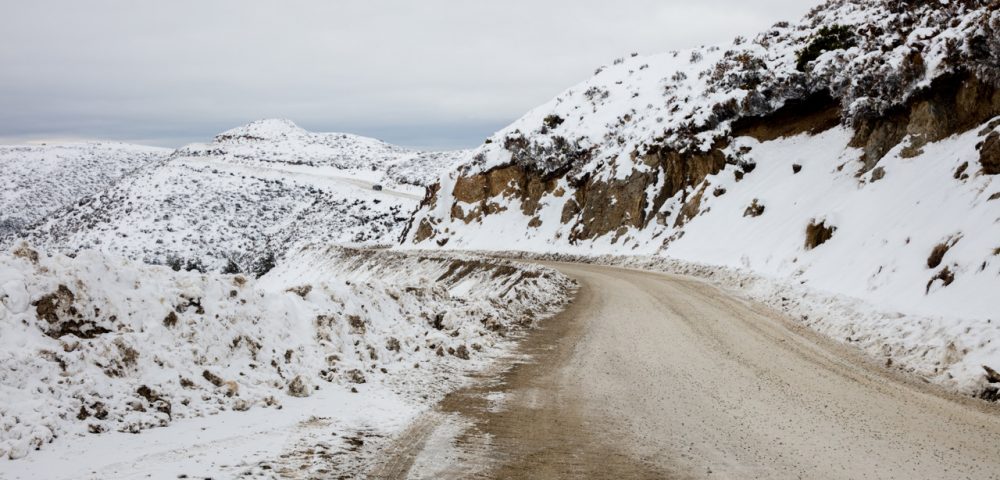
656	376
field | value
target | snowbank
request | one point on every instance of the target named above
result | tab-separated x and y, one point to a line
94	343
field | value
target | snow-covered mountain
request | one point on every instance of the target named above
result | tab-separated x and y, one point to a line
247	197
280	143
855	153
39	179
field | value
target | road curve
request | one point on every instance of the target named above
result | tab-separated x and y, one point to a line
649	375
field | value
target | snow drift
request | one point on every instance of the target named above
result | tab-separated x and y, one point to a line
96	343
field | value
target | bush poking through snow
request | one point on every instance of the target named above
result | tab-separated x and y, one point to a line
552	121
945	276
834	37
755	209
937	255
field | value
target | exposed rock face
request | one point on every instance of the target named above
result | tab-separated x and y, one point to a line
814	114
481	192
952	104
598	206
636	144
989	154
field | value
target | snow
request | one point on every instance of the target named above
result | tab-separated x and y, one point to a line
233	444
257	191
40	179
133	347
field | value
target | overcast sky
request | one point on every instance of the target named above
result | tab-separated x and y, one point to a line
428	73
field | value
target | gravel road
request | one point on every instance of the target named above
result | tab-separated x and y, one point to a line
650	375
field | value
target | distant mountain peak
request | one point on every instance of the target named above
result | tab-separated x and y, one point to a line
265	129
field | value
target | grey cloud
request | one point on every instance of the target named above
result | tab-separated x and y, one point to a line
429	73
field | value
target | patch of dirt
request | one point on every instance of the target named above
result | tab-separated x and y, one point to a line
23	251
301	291
298	387
818	234
356	323
356	376
213	378
171	319
57	309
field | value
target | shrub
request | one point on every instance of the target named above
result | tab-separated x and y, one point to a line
175	263
553	121
231	268
836	37
937	255
264	265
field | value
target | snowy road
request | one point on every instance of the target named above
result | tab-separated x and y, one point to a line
656	376
318	176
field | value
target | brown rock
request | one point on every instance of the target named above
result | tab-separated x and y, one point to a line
818	233
989	154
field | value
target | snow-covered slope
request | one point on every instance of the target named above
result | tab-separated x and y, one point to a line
247	197
39	179
854	153
95	343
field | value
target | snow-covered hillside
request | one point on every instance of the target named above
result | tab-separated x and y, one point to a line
94	344
39	179
246	198
854	153
279	143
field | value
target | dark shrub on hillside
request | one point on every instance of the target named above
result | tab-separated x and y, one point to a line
836	37
553	121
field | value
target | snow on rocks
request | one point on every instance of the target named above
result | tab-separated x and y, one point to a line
95	343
